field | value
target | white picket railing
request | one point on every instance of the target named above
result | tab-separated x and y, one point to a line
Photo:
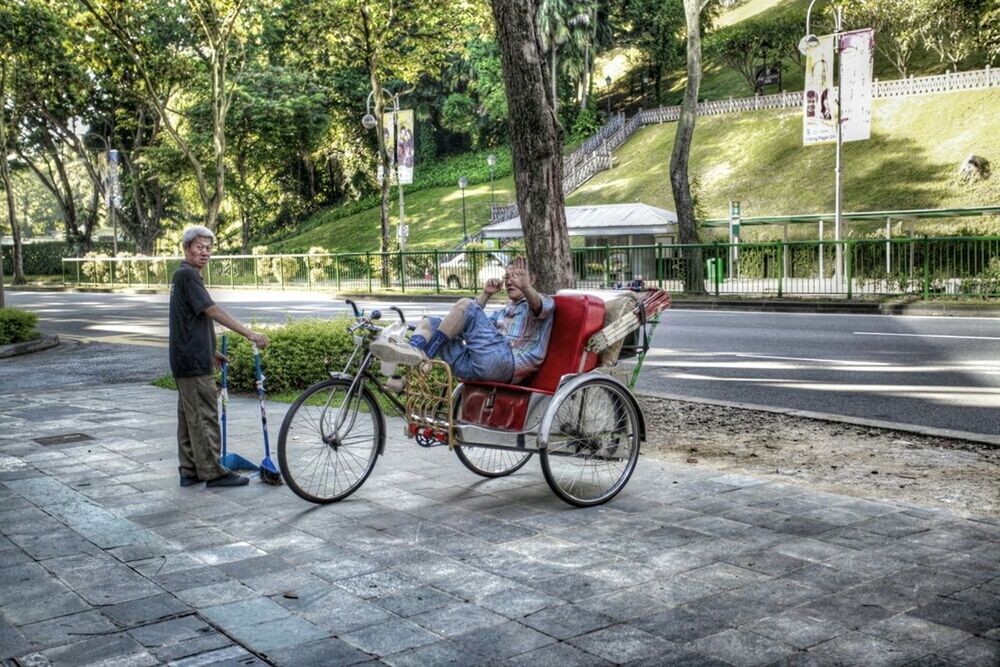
595	154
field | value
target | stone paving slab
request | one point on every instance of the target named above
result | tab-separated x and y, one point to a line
106	560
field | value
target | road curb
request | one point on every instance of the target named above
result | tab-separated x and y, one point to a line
43	342
982	438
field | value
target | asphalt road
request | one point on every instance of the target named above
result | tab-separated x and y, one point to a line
935	372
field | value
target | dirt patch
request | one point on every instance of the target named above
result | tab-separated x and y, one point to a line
860	461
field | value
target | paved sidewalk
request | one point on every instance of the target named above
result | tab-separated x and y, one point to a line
106	560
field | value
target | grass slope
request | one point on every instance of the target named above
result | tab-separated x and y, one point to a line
434	216
758	158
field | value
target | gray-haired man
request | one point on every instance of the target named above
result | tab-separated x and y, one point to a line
193	360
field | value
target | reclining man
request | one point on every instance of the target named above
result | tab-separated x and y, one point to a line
507	346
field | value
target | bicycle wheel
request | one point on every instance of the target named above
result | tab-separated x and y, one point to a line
591	442
329	442
490	462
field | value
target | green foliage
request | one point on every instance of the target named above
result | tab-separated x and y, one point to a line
318	263
165	382
45	258
300	353
17	326
458	114
586	123
740	46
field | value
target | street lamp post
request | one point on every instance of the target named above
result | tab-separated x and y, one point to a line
491	160
114	195
607	82
806	44
463	183
369	122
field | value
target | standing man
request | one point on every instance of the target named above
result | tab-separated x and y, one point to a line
193	360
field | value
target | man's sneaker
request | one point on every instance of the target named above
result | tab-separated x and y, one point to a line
229	479
397	352
189	480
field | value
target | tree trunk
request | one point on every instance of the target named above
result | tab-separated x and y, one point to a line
680	183
8	185
554	75
536	143
371	60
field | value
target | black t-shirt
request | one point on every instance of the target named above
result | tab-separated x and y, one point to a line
192	333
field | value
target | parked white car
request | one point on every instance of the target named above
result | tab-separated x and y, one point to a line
459	271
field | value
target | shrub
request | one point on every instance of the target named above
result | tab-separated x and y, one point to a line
585	124
96	270
318	262
300	353
17	326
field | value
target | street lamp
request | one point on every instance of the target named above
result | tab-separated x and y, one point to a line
807	44
370	122
114	195
607	82
762	77
491	160
645	87
463	183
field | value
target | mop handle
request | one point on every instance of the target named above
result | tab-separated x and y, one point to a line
224	393
259	373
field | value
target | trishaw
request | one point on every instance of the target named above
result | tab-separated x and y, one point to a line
577	411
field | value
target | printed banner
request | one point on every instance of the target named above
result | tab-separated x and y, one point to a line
389	135
857	50
818	112
404	146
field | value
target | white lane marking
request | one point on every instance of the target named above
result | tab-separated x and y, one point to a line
846	367
822	361
913	335
978	397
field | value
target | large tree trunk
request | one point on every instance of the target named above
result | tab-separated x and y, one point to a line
536	143
8	185
680	183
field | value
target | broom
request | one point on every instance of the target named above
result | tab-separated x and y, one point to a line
269	473
231	461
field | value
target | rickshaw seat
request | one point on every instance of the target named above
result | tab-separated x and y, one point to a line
499	405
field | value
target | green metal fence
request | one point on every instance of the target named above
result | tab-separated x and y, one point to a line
905	266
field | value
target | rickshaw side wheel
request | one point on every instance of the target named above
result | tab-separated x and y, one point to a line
591	436
491	462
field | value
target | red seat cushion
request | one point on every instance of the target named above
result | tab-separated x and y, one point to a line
577	318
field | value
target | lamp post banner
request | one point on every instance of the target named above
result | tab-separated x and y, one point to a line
818	112
404	146
389	135
857	50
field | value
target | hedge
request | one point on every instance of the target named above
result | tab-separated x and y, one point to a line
300	353
45	258
17	326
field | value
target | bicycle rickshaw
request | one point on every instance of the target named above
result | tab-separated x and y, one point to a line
577	411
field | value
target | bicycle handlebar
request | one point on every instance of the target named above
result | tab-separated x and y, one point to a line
354	307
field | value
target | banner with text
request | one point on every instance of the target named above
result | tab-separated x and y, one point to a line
857	51
818	112
404	146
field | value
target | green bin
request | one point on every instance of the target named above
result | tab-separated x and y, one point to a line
714	270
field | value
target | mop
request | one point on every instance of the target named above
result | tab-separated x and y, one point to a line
269	473
230	461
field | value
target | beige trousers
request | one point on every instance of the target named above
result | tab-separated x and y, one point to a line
199	442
